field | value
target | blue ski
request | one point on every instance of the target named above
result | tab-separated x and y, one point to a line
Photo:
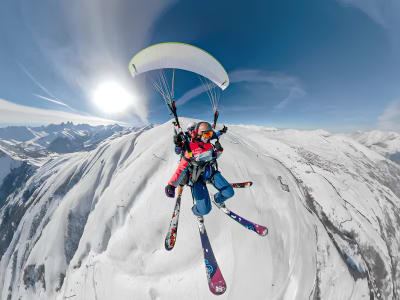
216	281
259	229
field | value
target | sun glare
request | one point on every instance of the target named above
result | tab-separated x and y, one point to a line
110	97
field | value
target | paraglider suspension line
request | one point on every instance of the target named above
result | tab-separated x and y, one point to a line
213	93
161	85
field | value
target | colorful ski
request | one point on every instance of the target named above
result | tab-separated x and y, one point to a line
242	184
216	281
170	239
259	229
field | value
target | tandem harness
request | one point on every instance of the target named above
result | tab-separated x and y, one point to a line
200	168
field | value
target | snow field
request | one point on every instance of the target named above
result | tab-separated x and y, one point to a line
100	220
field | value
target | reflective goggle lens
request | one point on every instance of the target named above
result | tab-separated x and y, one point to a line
207	134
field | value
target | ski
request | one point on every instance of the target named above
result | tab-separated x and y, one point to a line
242	184
170	239
259	229
216	281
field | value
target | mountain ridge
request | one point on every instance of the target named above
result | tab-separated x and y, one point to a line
330	204
386	143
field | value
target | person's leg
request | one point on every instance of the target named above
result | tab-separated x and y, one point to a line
202	199
224	188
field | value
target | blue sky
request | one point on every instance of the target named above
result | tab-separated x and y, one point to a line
332	64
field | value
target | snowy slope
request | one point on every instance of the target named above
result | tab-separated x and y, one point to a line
59	138
92	225
18	152
13	174
7	163
386	143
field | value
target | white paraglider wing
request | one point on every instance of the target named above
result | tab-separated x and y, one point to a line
179	56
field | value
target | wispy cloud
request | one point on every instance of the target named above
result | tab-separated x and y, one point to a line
279	81
54	101
99	37
11	113
384	12
191	94
390	118
42	87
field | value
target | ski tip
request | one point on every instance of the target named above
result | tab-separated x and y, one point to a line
242	184
169	245
261	230
168	248
217	283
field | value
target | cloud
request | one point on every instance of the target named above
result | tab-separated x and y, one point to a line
390	118
34	80
89	42
384	12
54	101
190	95
11	113
279	81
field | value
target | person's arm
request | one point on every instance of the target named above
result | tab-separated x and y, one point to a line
218	133
217	149
179	143
177	177
179	173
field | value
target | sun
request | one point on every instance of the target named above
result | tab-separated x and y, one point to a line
111	97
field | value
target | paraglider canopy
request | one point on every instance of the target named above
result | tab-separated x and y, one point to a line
179	56
171	56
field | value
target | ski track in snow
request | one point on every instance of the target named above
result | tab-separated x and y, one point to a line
94	224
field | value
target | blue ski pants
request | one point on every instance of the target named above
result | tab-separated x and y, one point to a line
202	198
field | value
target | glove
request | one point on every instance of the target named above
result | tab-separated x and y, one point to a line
178	139
224	130
170	191
218	146
178	150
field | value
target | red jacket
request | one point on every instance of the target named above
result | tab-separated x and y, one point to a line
201	152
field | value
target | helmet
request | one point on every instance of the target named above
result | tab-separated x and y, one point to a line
204	129
191	126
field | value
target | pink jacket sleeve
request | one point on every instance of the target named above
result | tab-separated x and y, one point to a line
179	173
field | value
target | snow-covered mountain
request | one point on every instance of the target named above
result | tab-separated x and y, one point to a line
23	149
58	138
14	172
386	143
91	225
6	165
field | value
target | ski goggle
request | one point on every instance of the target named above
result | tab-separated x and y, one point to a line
207	134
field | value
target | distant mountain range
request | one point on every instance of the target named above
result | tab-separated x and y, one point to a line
386	143
24	149
35	143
